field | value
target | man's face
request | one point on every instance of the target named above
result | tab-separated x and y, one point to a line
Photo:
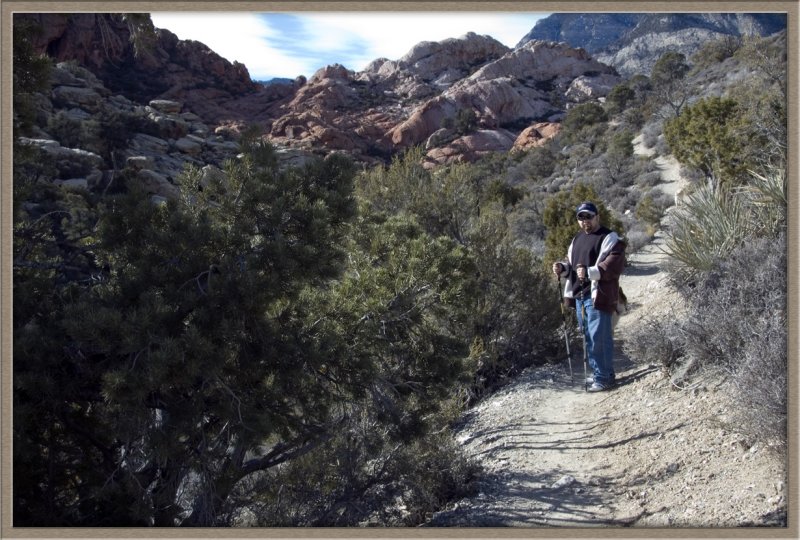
588	222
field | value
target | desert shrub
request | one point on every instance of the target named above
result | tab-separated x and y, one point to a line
637	238
715	136
706	229
472	205
361	479
534	166
735	326
738	324
765	196
516	310
620	197
112	130
31	74
649	179
652	342
584	123
648	212
463	123
715	51
67	131
662	147
618	99
651	133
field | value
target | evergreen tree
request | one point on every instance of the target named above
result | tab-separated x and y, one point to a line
190	364
669	83
619	98
713	136
585	123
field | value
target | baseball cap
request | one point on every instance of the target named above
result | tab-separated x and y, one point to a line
587	207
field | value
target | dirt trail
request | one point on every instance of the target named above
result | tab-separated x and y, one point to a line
643	455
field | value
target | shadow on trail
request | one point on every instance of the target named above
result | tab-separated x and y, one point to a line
544	436
532	478
553	497
630	378
640	269
539	501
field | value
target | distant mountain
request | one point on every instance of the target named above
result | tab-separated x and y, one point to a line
591	31
632	42
277	80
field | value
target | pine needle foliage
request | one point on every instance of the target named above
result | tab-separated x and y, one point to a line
511	323
714	136
192	352
254	321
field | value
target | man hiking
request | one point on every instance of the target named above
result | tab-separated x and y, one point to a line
595	260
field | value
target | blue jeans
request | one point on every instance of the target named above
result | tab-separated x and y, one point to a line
599	340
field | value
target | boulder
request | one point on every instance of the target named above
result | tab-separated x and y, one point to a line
423	122
140	162
76	96
166	106
142	143
536	135
471	147
157	184
189	145
73	183
584	88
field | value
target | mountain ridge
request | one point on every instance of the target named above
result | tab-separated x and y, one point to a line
632	42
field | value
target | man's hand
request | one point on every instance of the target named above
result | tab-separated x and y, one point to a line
558	268
581	271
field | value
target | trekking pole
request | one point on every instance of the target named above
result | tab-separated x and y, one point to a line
566	334
583	335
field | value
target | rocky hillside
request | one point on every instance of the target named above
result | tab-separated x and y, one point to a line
632	42
511	98
154	141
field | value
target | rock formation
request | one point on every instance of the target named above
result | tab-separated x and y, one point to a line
197	100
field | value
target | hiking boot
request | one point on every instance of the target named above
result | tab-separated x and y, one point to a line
600	387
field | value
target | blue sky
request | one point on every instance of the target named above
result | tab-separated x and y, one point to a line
300	43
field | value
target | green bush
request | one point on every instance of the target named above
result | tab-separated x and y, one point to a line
67	131
714	136
735	325
585	123
715	51
619	98
648	211
470	205
331	486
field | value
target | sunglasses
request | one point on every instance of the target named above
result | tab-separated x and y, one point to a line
585	217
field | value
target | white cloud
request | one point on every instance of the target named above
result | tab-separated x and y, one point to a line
392	34
241	37
318	39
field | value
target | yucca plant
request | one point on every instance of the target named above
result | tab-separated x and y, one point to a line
715	221
766	198
711	224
